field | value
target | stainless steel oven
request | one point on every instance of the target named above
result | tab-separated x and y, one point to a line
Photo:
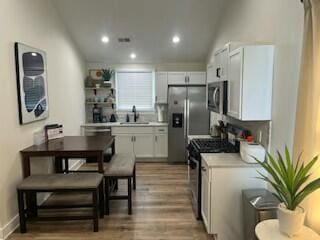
194	169
217	97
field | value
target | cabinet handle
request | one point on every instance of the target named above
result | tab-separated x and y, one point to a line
218	74
156	98
156	138
134	138
203	169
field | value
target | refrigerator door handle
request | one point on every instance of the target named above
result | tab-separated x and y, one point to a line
185	119
188	111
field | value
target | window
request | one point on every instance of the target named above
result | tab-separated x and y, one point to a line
134	87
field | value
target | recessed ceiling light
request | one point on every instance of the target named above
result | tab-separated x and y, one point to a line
133	55
34	54
105	39
175	39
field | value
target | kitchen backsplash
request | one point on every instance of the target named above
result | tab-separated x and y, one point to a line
256	128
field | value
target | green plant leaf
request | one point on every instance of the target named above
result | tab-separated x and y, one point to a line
307	190
287	179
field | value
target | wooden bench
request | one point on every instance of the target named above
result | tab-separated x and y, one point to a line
58	183
121	166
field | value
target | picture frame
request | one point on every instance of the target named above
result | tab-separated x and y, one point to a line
32	86
96	74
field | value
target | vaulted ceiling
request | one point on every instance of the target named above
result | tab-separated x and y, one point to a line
150	24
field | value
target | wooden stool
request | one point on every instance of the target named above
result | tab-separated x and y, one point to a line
76	182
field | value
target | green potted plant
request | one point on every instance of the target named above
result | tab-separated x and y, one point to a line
291	185
107	74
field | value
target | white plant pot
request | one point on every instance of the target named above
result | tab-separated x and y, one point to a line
290	222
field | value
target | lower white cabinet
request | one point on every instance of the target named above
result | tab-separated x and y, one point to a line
205	195
143	145
161	145
124	143
143	142
221	203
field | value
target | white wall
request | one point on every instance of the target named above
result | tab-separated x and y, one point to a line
156	66
36	23
280	23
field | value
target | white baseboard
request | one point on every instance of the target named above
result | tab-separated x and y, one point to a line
13	224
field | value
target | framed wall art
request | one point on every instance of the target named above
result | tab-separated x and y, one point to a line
31	83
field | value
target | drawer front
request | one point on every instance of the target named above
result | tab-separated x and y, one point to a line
159	130
131	130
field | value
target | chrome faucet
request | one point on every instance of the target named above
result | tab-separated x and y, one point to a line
136	115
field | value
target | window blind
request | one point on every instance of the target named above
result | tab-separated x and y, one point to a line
135	88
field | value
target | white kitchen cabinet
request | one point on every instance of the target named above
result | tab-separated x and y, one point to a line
221	64
250	75
143	145
161	87
124	143
161	145
196	78
221	204
186	78
234	83
143	142
211	73
205	196
177	78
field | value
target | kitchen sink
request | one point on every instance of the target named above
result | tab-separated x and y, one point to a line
134	123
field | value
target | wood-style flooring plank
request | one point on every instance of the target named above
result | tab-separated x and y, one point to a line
161	211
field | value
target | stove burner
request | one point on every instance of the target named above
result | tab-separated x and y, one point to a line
214	146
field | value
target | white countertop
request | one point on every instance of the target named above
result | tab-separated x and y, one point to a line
118	124
226	160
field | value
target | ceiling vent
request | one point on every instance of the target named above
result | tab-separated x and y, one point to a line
124	40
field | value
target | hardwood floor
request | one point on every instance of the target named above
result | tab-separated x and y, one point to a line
161	210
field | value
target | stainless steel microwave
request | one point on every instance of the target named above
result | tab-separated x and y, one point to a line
217	96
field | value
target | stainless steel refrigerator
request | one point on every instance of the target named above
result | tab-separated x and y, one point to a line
187	115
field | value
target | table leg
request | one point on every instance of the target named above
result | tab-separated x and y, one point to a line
26	166
66	165
113	148
31	198
58	164
100	162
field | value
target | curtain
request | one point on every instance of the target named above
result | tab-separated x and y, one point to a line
307	132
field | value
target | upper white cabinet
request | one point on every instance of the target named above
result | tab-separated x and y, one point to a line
221	64
186	78
211	73
177	78
196	78
250	75
161	87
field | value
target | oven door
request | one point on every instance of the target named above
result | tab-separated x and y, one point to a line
194	168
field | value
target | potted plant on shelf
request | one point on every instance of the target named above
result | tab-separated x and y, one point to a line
290	182
107	74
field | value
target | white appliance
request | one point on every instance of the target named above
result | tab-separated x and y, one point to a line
250	150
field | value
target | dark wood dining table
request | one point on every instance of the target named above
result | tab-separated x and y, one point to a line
68	147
